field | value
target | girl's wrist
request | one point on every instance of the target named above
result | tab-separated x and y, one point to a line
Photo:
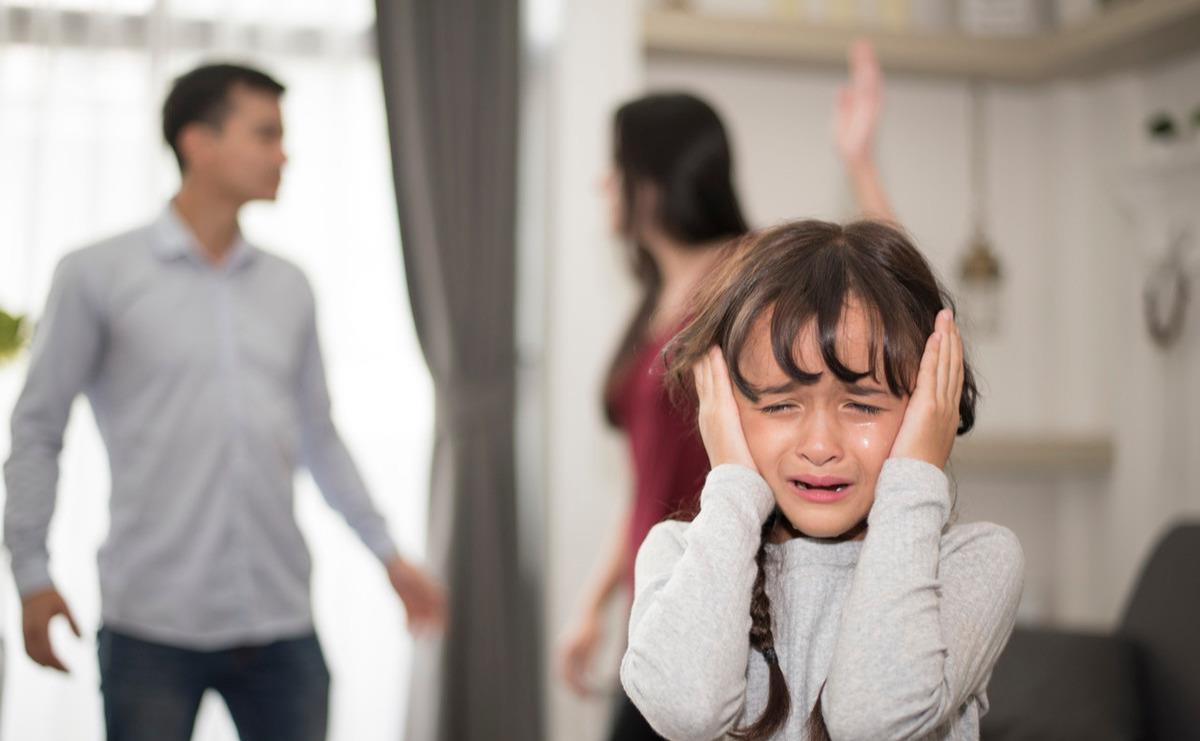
739	486
908	466
928	458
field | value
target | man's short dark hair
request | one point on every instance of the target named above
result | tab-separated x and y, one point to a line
202	96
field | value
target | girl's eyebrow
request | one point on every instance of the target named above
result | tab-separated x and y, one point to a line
786	387
860	390
782	388
854	388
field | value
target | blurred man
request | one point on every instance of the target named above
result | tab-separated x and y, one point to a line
199	355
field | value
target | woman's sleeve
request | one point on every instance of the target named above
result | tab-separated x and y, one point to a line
685	668
926	617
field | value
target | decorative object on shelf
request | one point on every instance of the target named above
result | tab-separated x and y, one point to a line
862	14
980	272
1004	17
934	15
1121	38
1075	12
1167	293
894	14
1161	128
723	8
787	8
981	278
14	332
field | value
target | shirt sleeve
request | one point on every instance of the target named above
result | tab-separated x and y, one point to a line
926	617
325	454
685	666
67	346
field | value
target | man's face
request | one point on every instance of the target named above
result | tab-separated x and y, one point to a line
243	158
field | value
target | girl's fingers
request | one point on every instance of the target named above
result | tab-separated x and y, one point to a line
944	352
927	373
956	367
700	375
943	364
720	374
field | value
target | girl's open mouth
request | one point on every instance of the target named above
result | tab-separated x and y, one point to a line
821	490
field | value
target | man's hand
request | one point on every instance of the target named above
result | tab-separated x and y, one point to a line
931	420
423	598
37	609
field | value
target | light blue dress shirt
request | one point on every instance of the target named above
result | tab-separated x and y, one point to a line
209	390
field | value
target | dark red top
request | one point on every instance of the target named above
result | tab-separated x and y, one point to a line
669	461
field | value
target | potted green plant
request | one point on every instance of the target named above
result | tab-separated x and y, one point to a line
14	333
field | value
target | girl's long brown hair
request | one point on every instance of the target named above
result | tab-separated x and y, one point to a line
806	273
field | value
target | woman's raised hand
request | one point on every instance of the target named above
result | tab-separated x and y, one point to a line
859	105
720	423
931	419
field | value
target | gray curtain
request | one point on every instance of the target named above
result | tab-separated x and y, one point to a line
450	77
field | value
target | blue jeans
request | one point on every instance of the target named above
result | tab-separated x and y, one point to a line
274	692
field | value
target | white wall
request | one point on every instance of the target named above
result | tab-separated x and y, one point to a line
1155	403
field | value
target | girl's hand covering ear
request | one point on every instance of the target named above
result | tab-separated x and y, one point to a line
931	420
720	423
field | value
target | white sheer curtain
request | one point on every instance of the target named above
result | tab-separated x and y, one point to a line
81	157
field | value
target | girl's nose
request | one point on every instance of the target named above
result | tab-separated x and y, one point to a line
820	442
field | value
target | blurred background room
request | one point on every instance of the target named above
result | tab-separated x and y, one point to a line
443	196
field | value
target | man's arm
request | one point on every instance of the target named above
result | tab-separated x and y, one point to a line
340	482
67	348
326	456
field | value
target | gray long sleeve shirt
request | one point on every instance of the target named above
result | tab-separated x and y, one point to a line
902	628
208	388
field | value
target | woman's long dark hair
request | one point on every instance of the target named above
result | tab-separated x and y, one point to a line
675	146
802	273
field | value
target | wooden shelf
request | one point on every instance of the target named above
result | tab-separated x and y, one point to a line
1039	454
1132	34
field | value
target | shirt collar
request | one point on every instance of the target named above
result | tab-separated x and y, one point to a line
174	240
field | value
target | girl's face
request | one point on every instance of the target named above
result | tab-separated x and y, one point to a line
820	447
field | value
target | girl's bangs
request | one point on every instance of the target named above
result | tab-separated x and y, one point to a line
819	300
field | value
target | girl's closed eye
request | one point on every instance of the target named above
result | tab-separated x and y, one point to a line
864	408
778	407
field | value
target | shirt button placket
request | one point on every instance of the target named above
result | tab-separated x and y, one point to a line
238	485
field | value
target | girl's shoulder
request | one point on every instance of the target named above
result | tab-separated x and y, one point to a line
981	535
665	541
986	547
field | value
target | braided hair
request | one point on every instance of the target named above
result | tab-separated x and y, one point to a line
762	639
